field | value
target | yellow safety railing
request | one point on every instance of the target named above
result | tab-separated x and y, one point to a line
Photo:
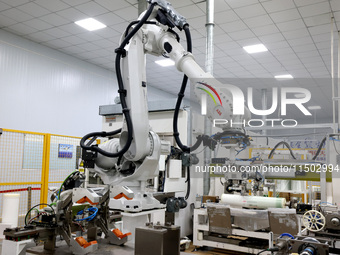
31	159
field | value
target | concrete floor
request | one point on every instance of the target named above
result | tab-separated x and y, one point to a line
104	249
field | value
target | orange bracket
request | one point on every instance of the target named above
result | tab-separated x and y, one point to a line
83	243
120	195
119	233
84	200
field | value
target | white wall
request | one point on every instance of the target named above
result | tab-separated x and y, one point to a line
44	90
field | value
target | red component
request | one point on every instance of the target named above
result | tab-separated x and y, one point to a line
119	233
120	195
16	190
84	200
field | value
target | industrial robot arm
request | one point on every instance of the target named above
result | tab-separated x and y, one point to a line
133	158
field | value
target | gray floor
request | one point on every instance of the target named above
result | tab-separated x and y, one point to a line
104	249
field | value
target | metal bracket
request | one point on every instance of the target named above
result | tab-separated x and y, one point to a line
177	18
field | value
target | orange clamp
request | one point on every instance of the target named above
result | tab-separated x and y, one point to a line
120	195
84	200
83	243
119	233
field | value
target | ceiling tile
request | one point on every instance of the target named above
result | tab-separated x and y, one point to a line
225	17
128	14
75	2
307	2
319	29
197	23
266	39
72	14
335	5
73	29
57	44
40	37
58	33
109	19
15	3
6	21
4	6
250	11
222	38
318	20
91	9
300	41
291	25
282	51
52	6
16	14
90	37
33	9
308	54
89	46
249	41
304	48
286	15
107	33
54	19
191	11
278	5
113	5
303	32
74	40
240	3
258	21
315	9
265	30
38	24
220	6
234	26
244	34
21	29
73	49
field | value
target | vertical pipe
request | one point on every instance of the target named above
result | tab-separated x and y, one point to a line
87	178
209	69
338	76
264	107
332	73
29	200
142	6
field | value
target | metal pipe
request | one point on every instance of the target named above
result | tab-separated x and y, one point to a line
332	72
338	76
264	107
209	64
29	200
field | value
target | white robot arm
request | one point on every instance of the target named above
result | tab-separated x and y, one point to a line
134	157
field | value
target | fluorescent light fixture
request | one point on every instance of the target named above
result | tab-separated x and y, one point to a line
284	76
90	24
165	62
255	48
314	107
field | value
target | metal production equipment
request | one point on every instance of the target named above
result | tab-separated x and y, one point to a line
77	209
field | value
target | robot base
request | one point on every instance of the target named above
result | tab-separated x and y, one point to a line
140	202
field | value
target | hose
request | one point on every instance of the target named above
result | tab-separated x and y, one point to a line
179	101
320	148
120	52
271	154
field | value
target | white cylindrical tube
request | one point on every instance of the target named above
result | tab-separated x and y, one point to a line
253	201
10	209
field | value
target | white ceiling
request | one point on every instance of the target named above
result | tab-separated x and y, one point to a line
296	32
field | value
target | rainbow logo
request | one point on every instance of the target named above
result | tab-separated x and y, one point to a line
209	93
